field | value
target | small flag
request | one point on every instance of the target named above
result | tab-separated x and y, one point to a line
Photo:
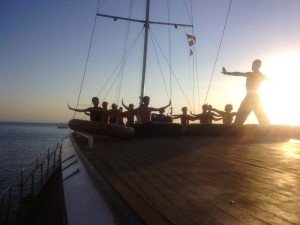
191	39
191	52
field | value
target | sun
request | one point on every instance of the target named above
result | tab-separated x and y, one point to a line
281	92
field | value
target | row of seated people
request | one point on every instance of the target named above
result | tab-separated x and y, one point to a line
144	113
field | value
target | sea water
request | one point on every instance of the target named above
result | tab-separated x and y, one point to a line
22	142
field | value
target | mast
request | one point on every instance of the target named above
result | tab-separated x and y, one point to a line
146	23
145	50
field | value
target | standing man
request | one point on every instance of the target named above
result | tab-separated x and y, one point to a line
252	99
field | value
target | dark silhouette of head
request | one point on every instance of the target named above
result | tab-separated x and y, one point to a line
161	111
228	108
256	65
114	106
104	105
209	107
131	106
121	109
146	100
204	108
184	110
95	101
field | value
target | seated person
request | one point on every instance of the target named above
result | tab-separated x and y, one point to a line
227	115
144	111
184	117
205	117
113	114
105	113
121	116
94	112
161	118
213	116
129	114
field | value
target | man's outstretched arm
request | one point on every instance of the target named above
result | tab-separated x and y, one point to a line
157	109
224	71
176	117
194	114
217	111
77	110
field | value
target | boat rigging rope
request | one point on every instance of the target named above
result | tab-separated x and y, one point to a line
195	65
170	55
119	86
99	6
194	52
171	69
190	17
159	65
217	57
128	53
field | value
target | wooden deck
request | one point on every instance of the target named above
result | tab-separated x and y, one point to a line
202	180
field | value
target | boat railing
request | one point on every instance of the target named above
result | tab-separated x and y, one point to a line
16	200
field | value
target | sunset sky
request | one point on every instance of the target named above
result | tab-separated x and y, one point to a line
44	45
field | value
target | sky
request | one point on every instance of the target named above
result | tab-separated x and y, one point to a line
44	47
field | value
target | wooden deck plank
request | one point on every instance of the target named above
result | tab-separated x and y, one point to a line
149	215
208	165
264	215
197	190
167	186
246	191
155	196
168	194
190	180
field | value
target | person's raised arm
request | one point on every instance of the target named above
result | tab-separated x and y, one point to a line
194	114
77	110
224	71
217	111
216	115
176	117
157	109
126	107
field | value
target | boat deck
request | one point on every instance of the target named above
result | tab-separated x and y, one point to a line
202	180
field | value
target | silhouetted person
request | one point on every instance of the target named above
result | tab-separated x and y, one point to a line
105	113
227	115
184	117
161	117
129	114
205	117
94	112
121	116
212	116
252	99
113	114
144	110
